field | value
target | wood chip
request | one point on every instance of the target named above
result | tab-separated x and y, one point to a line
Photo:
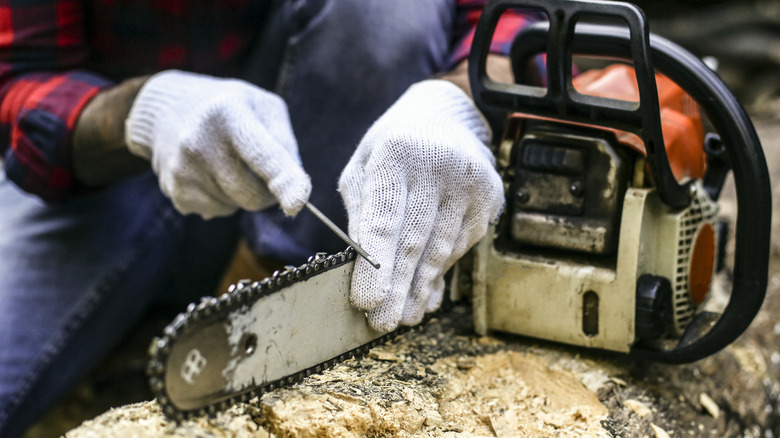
465	363
433	418
618	381
384	356
709	405
659	432
638	407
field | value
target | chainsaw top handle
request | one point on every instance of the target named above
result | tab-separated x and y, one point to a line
647	52
560	100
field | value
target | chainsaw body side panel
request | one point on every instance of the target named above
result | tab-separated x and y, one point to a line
570	300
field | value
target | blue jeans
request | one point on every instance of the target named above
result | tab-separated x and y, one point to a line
75	277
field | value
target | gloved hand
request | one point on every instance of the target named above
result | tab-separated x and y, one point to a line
217	145
420	190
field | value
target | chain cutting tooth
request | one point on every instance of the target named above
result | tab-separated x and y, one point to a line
156	384
244	282
154	368
180	321
164	347
154	346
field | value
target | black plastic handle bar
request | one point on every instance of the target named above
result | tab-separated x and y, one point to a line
738	136
560	100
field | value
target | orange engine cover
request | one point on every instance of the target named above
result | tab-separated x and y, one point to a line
680	118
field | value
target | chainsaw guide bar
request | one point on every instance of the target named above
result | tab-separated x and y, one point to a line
259	336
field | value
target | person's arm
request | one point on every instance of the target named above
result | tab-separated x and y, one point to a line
100	155
498	65
508	26
42	92
216	145
499	69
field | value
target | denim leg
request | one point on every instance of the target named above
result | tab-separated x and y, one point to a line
76	276
344	64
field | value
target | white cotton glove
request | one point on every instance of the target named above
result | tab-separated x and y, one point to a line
420	190
217	145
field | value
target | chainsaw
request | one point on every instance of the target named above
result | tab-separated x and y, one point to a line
611	235
609	240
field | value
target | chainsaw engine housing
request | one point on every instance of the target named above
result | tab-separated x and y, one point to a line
596	260
566	188
610	235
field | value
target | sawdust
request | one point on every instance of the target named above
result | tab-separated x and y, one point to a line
145	420
496	394
500	394
511	394
443	381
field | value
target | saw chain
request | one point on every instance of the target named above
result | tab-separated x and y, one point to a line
215	310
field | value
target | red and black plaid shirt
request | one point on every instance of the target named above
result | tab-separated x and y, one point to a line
57	54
